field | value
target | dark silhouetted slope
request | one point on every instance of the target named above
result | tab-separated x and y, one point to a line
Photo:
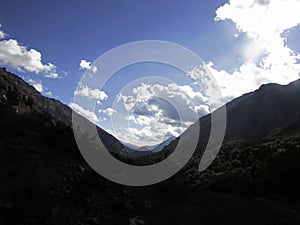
272	109
44	179
25	100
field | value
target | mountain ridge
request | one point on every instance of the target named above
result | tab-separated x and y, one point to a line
45	180
147	150
260	112
240	122
25	99
252	115
10	82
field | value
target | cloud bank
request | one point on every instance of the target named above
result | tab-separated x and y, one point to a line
265	23
156	112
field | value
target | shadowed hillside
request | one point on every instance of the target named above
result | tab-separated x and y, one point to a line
44	179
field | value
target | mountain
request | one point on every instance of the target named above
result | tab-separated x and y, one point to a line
261	150
159	147
25	99
45	180
136	151
272	109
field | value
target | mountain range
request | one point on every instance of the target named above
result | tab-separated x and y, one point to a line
253	180
136	151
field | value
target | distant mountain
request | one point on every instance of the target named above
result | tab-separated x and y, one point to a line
136	151
159	147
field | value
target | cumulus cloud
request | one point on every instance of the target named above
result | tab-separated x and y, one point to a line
84	112
267	58
148	97
87	92
150	135
84	64
157	112
14	55
17	56
37	85
261	19
150	129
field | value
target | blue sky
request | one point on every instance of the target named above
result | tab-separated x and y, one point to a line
66	33
244	44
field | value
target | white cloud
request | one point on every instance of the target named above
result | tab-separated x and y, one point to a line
2	34
156	112
84	112
107	111
267	58
180	96
52	75
49	93
128	101
252	51
261	20
246	79
17	56
37	85
150	135
87	92
84	64
140	119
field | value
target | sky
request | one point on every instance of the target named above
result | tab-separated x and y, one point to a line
243	43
